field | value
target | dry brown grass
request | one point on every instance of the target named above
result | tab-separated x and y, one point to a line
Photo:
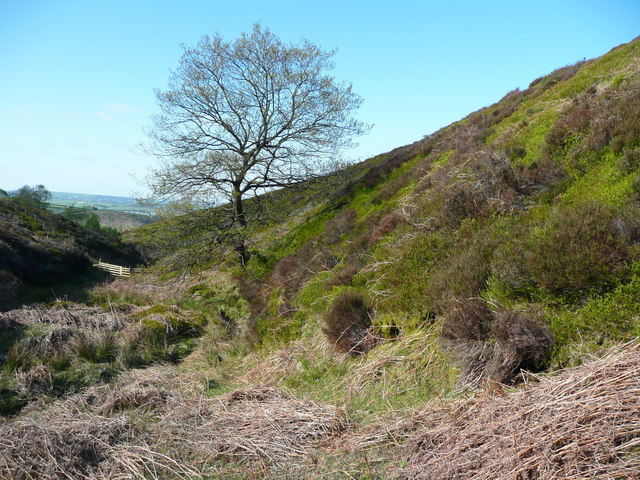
251	425
397	365
67	315
64	444
582	423
273	369
87	436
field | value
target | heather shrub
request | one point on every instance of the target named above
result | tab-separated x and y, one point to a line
540	175
521	341
339	226
486	185
569	129
467	320
347	324
494	345
592	123
630	160
509	261
463	274
623	123
559	75
582	248
292	271
515	151
345	274
387	224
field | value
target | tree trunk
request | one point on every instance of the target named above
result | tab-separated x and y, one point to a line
240	220
238	209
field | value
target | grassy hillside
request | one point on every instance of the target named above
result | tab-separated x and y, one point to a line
518	222
375	303
42	253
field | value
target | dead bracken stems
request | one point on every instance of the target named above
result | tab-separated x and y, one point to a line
582	423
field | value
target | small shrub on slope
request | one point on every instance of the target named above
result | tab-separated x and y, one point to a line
467	321
594	122
494	345
582	248
461	276
339	226
521	342
347	324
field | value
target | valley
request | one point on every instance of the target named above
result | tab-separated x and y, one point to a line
466	306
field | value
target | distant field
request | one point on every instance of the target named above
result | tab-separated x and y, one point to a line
121	213
59	200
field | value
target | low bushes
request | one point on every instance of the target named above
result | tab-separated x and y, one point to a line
582	248
574	251
594	122
467	321
348	322
487	184
522	340
494	345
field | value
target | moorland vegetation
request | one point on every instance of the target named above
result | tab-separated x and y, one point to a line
466	306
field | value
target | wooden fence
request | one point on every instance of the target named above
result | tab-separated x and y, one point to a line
116	270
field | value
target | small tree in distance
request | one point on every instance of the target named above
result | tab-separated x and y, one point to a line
244	117
37	196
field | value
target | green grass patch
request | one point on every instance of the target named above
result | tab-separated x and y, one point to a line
601	322
604	182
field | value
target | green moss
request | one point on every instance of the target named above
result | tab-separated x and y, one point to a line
604	182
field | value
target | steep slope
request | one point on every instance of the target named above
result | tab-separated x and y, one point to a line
510	237
509	231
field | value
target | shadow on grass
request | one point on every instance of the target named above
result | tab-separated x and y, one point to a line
75	290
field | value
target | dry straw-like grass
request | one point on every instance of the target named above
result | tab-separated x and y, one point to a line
70	315
252	425
87	437
582	423
68	441
397	365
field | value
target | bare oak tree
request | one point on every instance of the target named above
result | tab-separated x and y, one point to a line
247	116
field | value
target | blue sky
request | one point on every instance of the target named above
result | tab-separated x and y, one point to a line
77	77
